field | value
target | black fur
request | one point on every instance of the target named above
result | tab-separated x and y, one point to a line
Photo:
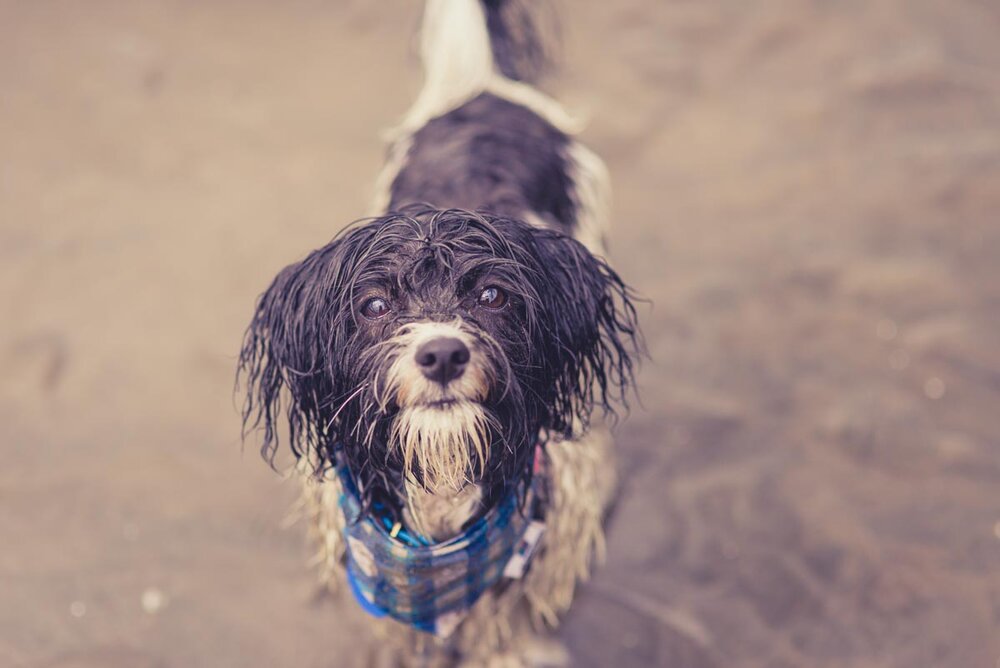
515	38
490	154
564	345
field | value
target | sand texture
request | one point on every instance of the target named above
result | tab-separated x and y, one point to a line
807	191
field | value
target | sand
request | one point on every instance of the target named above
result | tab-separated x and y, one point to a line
807	192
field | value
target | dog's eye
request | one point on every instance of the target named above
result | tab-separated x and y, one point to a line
375	308
493	297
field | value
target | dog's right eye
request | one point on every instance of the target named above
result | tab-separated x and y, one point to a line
375	308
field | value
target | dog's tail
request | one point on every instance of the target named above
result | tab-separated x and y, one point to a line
466	41
467	45
519	50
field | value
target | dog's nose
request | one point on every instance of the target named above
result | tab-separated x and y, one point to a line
443	359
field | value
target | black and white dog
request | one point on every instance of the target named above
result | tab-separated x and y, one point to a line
438	365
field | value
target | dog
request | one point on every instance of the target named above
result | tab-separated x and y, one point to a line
446	368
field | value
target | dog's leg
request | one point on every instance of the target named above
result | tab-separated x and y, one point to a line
319	506
583	478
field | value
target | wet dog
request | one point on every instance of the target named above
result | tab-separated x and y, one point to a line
438	365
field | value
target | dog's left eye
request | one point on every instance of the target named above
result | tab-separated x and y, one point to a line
375	308
493	297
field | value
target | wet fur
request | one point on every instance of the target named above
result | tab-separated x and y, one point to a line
564	347
484	183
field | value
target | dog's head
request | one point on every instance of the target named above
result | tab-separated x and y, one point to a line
434	347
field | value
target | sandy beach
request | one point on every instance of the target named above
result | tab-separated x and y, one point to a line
806	192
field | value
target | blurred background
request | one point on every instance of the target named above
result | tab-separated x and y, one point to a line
807	191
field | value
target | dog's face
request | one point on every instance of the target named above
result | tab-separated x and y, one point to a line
434	346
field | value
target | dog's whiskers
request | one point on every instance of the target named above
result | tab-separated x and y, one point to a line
344	404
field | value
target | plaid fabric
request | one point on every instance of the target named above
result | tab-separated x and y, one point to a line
427	585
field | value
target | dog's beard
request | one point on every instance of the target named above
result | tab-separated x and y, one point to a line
443	447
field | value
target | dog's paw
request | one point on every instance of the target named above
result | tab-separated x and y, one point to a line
545	652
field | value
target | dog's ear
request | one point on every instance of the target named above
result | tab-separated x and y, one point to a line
590	335
289	352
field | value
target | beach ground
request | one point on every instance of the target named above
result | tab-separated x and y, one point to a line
807	193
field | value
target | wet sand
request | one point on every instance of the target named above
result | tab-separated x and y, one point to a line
806	191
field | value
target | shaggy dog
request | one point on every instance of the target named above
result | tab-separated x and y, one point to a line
438	365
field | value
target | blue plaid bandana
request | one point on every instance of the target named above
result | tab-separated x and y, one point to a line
431	586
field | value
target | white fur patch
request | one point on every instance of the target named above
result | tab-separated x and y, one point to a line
458	61
441	516
398	153
592	196
531	98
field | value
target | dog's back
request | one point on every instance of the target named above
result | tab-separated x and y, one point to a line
481	137
490	154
